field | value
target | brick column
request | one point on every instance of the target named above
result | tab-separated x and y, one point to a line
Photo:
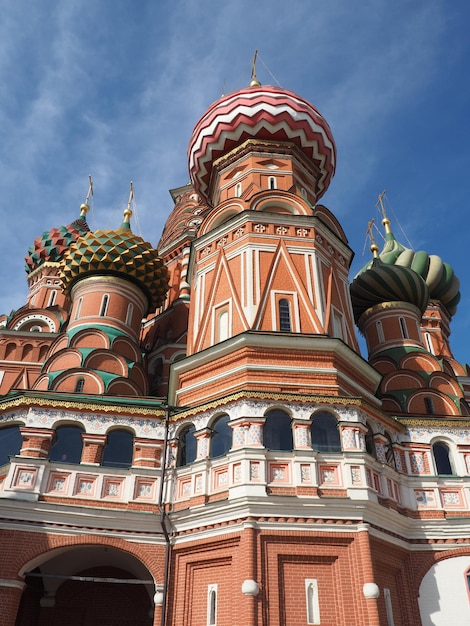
10	597
371	617
93	446
247	576
147	453
36	442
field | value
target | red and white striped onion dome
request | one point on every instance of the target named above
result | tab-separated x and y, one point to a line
265	113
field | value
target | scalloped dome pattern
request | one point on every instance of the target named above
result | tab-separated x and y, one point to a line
387	283
116	252
439	276
267	113
52	244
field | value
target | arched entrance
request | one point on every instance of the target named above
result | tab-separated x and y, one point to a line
87	586
444	593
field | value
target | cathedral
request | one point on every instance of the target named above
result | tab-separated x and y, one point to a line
189	433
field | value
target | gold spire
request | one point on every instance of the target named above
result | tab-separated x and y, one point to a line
374	248
85	207
385	220
128	211
254	81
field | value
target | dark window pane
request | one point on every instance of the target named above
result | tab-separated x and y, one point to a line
278	431
118	449
187	448
441	457
284	315
68	445
325	435
221	441
10	443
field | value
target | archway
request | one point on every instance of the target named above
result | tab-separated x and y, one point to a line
87	586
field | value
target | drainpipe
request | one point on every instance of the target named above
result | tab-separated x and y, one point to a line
164	516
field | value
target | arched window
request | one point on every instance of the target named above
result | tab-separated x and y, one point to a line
104	306
223	326
10	443
277	433
370	442
272	182
212	605
80	384
441	456
52	298
187	446
325	434
380	332
221	440
238	190
118	449
68	445
284	315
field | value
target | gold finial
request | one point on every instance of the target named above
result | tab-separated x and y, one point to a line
85	207
128	211
254	81
385	220
374	248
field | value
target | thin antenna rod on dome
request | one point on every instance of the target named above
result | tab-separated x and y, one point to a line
90	189
254	81
128	210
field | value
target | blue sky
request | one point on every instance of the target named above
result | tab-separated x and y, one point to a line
113	88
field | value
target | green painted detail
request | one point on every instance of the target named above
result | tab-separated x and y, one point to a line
443	285
119	253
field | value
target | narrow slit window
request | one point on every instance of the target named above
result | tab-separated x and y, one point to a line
129	314
313	605
429	346
223	326
238	190
388	607
442	462
212	605
80	385
403	328
272	182
429	405
380	332
104	306
284	315
79	308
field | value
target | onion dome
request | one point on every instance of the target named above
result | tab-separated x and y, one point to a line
265	113
387	283
52	244
439	276
118	253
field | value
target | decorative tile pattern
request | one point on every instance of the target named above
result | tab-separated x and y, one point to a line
356	477
451	498
255	435
380	448
417	463
301	434
425	497
237	473
305	473
254	471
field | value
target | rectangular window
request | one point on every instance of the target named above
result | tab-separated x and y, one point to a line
311	597
388	607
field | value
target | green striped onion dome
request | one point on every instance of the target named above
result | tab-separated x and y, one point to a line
387	283
439	276
52	244
119	253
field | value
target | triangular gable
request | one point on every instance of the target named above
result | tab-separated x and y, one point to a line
220	276
283	261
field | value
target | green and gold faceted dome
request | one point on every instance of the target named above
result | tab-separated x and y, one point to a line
118	253
382	283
